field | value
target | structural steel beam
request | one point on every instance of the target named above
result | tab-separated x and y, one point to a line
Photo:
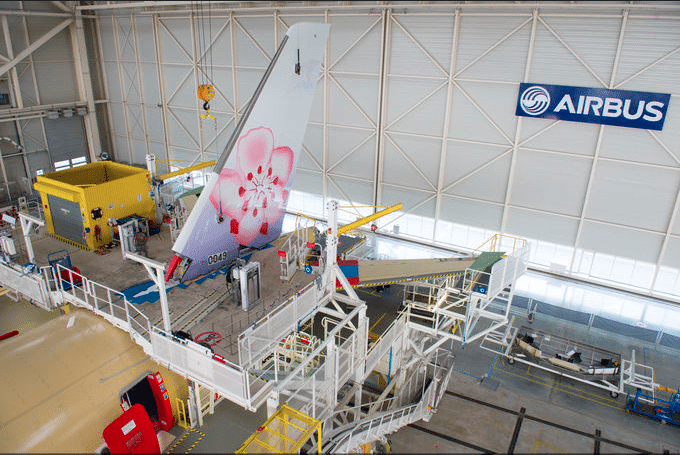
35	45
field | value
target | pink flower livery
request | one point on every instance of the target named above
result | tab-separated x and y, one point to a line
253	194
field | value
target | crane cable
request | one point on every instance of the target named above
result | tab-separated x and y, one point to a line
205	91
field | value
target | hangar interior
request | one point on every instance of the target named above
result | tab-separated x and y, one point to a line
417	104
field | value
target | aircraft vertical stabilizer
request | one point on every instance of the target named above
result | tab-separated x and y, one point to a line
245	197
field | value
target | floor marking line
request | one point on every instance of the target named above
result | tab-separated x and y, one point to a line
560	388
545	422
566	386
376	322
124	369
450	438
515	432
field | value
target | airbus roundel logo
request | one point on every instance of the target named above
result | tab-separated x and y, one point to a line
535	100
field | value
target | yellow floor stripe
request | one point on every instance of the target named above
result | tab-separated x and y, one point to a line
578	389
376	322
560	388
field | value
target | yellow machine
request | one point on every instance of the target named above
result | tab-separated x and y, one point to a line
78	202
206	93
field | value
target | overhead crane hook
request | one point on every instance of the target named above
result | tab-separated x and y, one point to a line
206	93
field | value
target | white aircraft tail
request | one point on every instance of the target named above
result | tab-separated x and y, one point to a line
246	195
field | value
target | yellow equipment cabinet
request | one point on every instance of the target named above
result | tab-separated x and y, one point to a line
78	202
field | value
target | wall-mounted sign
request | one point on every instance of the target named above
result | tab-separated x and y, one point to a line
593	105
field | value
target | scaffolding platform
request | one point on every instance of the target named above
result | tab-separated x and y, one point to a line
284	432
570	358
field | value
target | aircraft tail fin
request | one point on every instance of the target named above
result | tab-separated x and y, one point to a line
246	195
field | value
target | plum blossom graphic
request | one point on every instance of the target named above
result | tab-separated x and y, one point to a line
253	194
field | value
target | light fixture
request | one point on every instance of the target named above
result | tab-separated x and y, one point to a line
68	112
52	115
81	110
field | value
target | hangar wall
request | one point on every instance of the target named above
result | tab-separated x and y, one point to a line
416	105
46	78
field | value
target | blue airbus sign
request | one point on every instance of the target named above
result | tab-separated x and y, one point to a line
593	105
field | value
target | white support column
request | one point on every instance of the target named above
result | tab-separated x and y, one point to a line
272	403
385	47
447	121
596	154
161	83
84	84
27	222
158	277
518	131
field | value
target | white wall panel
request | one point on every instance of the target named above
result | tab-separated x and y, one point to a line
435	33
468	121
27	84
542	226
553	63
671	257
312	155
397	166
150	84
136	126
306	181
113	86
594	39
634	145
477	60
423	152
139	150
357	163
669	137
414	202
145	38
407	53
403	94
247	83
176	40
488	183
494	100
568	137
647	40
183	130
33	135
56	82
118	118
550	182
353	101
359	192
364	56
471	213
465	158
248	52
633	196
108	44
122	148
620	241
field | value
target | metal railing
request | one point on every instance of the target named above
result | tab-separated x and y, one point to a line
106	302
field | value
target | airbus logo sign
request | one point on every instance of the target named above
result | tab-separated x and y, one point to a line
535	100
593	105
